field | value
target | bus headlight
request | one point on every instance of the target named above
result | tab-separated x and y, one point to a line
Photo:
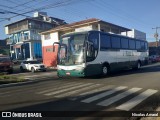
58	68
79	68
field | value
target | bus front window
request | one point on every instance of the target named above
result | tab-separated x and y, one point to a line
73	53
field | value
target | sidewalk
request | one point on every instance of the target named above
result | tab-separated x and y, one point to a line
18	77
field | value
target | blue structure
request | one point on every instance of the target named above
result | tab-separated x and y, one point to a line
24	37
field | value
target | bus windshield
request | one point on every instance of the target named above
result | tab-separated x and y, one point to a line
71	50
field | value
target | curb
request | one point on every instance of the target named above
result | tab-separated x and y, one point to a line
28	80
23	83
18	83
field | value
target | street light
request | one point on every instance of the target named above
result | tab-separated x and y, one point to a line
156	35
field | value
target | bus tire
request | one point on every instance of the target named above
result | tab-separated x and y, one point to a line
105	70
138	65
59	76
10	71
32	70
21	69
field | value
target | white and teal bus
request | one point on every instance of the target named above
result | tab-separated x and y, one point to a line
94	53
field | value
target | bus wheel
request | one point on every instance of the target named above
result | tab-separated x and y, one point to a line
105	70
138	66
21	69
59	76
32	70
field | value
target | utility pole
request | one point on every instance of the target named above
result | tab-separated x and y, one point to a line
156	35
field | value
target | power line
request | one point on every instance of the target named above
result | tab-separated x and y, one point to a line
73	12
23	9
22	4
58	4
7	7
102	7
6	12
15	7
48	6
32	6
123	11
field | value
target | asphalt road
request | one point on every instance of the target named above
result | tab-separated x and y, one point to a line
121	92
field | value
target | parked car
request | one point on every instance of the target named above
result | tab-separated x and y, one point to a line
153	58
32	65
6	64
157	59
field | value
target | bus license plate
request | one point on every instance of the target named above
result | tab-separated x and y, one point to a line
67	73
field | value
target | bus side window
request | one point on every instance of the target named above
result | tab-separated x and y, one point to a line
132	44
116	43
146	46
142	46
105	42
138	45
124	43
94	38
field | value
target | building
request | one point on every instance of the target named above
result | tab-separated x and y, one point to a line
53	35
135	34
24	37
154	48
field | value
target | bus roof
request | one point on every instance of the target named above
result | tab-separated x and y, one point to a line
85	32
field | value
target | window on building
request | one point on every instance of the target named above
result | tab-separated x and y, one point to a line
26	36
124	43
132	44
47	36
138	45
116	43
105	42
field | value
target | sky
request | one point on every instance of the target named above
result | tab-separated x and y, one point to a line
142	15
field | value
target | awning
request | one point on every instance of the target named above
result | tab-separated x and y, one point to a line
17	45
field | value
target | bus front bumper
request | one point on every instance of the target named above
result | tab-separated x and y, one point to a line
74	73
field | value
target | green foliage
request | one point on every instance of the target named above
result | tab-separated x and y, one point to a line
4	79
4	51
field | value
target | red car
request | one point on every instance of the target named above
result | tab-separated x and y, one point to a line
157	59
6	64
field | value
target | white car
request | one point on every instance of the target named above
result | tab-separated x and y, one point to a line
32	65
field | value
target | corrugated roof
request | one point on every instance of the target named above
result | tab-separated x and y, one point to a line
71	25
32	18
83	22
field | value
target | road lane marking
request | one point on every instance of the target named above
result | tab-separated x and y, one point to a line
92	91
76	91
4	93
26	89
71	88
116	98
31	85
104	94
60	87
19	83
136	100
